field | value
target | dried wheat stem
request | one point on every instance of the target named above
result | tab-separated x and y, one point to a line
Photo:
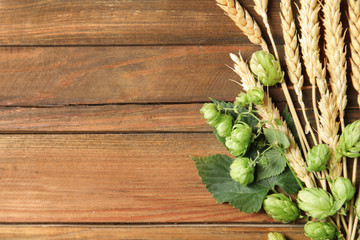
292	57
354	31
270	113
309	41
243	21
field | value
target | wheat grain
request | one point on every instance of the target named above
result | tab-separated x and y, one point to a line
292	57
243	21
261	6
336	53
354	30
270	113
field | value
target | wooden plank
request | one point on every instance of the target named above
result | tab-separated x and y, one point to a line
180	232
115	118
112	22
109	178
37	76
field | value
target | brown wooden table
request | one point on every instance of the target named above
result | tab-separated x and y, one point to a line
99	112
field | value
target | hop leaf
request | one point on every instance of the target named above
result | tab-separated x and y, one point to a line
317	203
241	171
281	208
342	189
349	143
266	68
320	230
318	157
276	236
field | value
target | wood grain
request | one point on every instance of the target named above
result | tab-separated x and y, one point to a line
158	232
109	178
53	76
149	118
110	22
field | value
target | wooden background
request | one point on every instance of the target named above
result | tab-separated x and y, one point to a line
99	112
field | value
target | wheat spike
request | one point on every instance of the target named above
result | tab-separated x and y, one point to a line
329	130
261	6
244	21
269	112
292	56
310	35
336	53
354	30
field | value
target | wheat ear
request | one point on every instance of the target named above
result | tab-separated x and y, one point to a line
309	41
270	113
244	21
354	30
292	57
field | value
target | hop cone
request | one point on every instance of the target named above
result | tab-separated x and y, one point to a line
276	236
320	230
224	126
210	113
235	147
349	143
342	189
255	95
242	133
266	68
280	207
241	100
242	171
317	203
318	157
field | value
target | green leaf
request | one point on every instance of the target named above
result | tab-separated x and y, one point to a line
222	104
277	137
278	122
287	182
290	122
214	171
275	165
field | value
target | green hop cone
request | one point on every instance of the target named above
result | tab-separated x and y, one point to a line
235	147
241	100
281	208
255	95
318	157
266	68
242	171
342	189
210	113
242	133
357	207
349	143
276	236
224	126
317	203
320	230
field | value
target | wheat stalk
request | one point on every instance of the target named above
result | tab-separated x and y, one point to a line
244	21
292	57
270	113
354	30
